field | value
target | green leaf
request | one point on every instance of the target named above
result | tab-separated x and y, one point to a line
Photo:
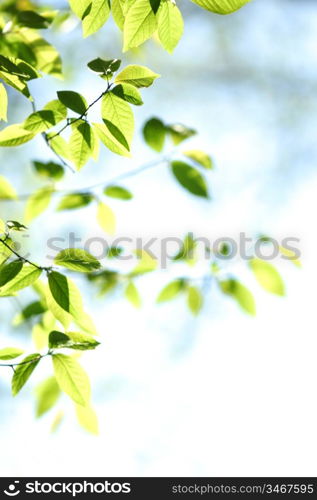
139	25
171	291
58	145
2	227
77	260
109	140
7	191
33	309
194	299
115	111
9	271
80	7
146	263
170	25
10	353
180	133
32	19
47	58
26	277
131	293
240	293
106	218
199	157
47	395
117	9
71	378
81	143
221	6
97	15
71	340
154	133
23	372
128	93
39	121
267	276
106	67
59	288
87	418
37	203
136	75
49	170
3	103
74	201
73	100
5	253
118	192
190	178
15	135
14	225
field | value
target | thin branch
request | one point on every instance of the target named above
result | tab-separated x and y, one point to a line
83	114
24	259
89	189
35	360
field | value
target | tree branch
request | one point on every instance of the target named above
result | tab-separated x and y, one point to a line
24	259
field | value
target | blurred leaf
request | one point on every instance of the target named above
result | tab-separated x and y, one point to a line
131	293
154	133
49	170
106	218
171	291
146	263
87	418
199	157
33	309
194	299
10	353
267	276
74	201
291	255
7	191
180	133
37	203
190	178
32	19
118	192
47	395
3	103
240	293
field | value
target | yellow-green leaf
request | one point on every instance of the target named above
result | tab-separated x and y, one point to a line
7	191
132	294
87	418
3	102
71	378
139	25
37	203
267	276
170	25
139	76
10	353
221	6
106	218
15	135
240	293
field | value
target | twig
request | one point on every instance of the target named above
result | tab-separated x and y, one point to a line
24	259
34	360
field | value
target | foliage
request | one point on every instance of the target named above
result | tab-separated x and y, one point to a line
60	326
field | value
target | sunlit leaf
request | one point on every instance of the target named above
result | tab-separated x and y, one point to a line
7	191
106	218
190	178
47	395
71	378
87	418
37	203
23	372
77	260
240	293
136	75
221	6
10	353
170	25
118	192
267	276
139	25
3	103
154	132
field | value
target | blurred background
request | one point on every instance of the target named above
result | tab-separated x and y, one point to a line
223	394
